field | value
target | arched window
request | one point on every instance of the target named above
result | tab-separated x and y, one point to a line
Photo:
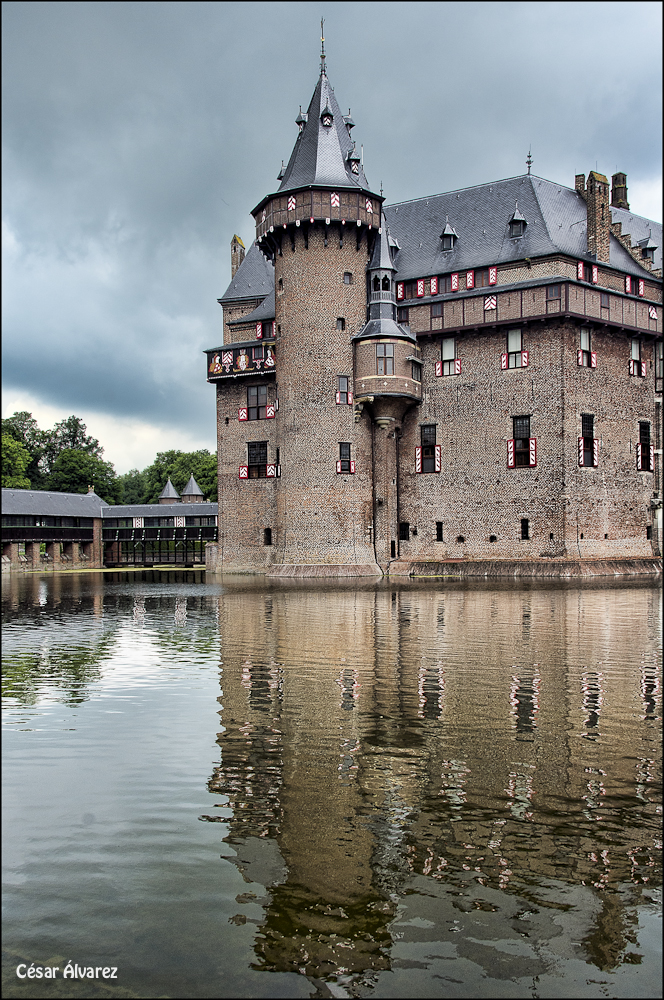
386	284
376	284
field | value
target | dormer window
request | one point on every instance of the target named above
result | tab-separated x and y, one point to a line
326	116
354	161
448	236
517	223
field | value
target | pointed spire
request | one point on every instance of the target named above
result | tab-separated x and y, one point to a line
322	48
169	494
192	489
529	161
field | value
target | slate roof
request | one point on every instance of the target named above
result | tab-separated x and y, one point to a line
52	504
556	217
192	489
262	312
169	492
161	510
320	154
253	279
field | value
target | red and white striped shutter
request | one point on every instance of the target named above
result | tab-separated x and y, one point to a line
350	398
524	359
644	369
593	359
259	331
581	451
628	283
242	413
493	275
579	357
470	279
652	458
532	448
642	287
439	368
503	361
271	471
457	366
339	466
352	466
244	472
338	398
510	453
434	286
438	453
595	452
455	282
595	274
291	203
400	289
579	270
270	411
420	287
418	460
631	366
639	463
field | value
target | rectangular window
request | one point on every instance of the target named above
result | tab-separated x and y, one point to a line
344	463
428	439
644	450
404	531
525	529
256	401
348	278
604	300
515	356
636	350
553	291
402	314
482	278
267	536
341	323
344	395
258	353
436	309
588	443
445	284
417	371
522	448
585	357
384	359
439	531
449	363
257	459
636	365
659	365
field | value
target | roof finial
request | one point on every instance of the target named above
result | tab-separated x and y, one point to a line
529	160
322	47
381	189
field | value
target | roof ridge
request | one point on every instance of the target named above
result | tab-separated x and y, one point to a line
473	187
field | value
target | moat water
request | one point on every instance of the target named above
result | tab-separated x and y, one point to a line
244	789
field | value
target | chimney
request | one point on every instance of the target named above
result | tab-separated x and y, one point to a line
237	254
599	216
580	185
619	191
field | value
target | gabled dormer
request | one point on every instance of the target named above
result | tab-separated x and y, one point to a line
517	223
448	236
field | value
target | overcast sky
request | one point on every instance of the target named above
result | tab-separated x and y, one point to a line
137	137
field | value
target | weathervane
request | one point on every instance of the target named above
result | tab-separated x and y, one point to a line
529	161
322	46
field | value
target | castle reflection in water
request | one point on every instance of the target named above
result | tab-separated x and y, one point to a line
496	745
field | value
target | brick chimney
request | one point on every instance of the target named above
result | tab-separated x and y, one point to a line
237	254
619	191
599	216
580	185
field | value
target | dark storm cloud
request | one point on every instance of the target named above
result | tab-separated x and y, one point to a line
138	136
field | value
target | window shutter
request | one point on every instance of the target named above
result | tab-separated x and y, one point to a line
532	447
242	413
338	466
420	288
470	279
579	270
259	331
581	451
352	466
510	453
628	283
643	369
270	411
639	462
434	286
439	368
457	366
642	287
271	471
631	366
595	452
455	282
593	359
579	357
503	361
400	289
350	398
493	275
338	398
418	460
438	456
652	458
524	359
244	472
595	274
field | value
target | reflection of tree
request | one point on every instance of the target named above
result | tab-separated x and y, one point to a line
69	669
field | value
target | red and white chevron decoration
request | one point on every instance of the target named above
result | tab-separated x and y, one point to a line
291	203
334	200
493	275
244	472
434	286
490	302
652	312
270	412
420	288
455	282
369	205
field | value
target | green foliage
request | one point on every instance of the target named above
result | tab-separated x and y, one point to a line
75	470
178	466
15	460
23	427
68	435
132	486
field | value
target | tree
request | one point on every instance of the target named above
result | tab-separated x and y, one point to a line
15	461
68	435
23	427
75	470
132	486
179	466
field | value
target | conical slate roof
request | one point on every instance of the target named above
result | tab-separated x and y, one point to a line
192	489
169	492
381	258
320	155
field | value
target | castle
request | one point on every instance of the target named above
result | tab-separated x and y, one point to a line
472	376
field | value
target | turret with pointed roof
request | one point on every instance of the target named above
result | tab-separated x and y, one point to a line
192	493
169	494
